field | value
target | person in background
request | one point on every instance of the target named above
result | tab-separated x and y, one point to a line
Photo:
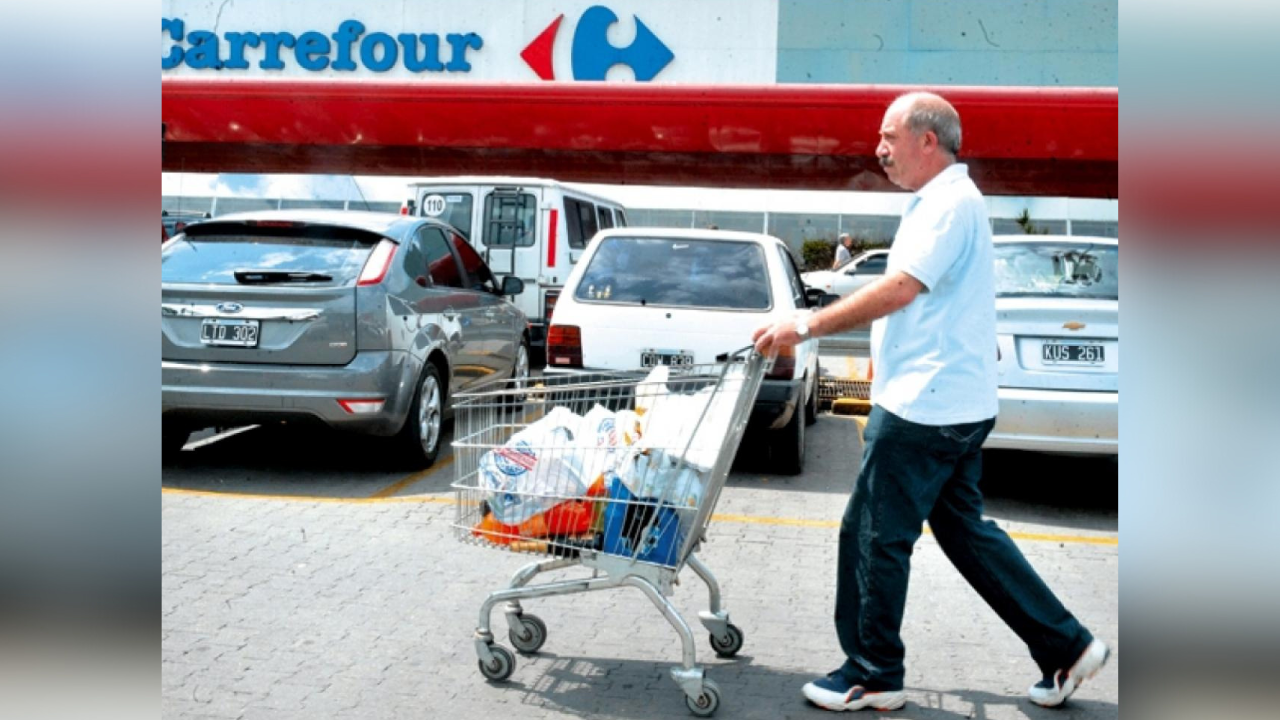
934	402
844	250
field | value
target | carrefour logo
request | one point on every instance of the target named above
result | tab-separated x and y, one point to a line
593	54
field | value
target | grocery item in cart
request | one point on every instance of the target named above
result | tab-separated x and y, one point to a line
640	528
536	469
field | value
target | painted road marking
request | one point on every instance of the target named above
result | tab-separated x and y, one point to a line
220	436
413	479
724	518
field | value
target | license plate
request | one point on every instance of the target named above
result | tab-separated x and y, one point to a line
674	358
231	333
1072	354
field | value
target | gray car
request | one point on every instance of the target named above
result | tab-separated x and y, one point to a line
362	321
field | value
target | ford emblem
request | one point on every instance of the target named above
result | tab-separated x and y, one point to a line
229	307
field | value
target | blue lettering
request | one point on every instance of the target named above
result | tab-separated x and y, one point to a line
346	36
311	44
369	54
460	43
430	59
203	54
175	30
238	42
273	42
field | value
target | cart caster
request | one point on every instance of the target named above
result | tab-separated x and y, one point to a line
730	643
529	635
706	704
503	664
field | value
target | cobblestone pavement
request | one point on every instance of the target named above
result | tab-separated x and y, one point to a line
336	604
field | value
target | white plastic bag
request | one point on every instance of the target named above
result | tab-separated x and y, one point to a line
539	467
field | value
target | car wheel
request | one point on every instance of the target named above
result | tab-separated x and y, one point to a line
788	445
519	377
172	437
420	436
811	407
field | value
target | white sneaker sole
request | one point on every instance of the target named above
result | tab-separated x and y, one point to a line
1091	661
828	700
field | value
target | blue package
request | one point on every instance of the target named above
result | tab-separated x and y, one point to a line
628	527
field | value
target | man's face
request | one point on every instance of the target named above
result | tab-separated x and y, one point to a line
901	151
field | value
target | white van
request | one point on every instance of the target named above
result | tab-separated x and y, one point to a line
532	228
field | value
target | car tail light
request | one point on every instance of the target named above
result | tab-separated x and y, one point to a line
549	304
273	223
784	366
564	346
375	268
362	406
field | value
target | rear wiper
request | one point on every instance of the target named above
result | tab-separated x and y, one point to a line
262	277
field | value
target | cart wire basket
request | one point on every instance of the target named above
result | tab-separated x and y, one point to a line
614	472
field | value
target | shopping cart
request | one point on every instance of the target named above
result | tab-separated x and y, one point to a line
620	473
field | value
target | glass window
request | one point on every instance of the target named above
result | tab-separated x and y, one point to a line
228	205
1096	228
478	273
1010	226
622	218
215	259
449	206
727	220
793	277
795	229
315	205
662	218
870	229
510	219
606	217
581	217
440	262
874	265
183	204
1053	269
684	273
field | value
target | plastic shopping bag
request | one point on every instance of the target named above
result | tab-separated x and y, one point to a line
539	467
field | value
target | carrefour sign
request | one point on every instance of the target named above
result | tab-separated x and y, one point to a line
350	44
664	41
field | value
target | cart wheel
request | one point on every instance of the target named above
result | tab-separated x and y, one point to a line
504	663
532	633
706	704
728	644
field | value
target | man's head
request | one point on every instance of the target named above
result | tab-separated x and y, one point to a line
919	138
845	240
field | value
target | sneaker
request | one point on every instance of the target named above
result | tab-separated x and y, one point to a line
834	692
1054	689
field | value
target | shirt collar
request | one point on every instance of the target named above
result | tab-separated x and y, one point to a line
952	173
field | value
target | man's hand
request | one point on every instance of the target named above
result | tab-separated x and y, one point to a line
772	338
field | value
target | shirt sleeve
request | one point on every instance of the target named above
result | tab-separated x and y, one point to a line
937	240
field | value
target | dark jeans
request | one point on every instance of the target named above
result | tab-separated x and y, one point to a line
911	473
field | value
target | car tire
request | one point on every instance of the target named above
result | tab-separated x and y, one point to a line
788	445
811	407
520	374
173	437
419	439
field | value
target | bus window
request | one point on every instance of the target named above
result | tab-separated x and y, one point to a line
510	219
580	218
606	217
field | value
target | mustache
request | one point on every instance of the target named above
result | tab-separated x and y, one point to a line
886	162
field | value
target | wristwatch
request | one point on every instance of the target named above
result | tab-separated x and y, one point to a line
802	329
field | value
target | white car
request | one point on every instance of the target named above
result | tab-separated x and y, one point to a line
646	296
863	269
1058	337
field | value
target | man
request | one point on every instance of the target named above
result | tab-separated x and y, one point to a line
843	251
934	394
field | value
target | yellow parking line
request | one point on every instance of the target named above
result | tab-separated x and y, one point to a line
725	518
413	479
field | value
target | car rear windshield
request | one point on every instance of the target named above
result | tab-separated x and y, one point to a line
1047	269
675	272
216	259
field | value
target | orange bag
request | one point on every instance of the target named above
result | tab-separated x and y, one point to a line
572	517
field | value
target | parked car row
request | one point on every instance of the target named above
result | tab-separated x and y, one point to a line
372	322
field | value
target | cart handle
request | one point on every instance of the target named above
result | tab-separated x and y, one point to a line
741	354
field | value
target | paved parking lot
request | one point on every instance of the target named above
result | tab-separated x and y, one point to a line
303	577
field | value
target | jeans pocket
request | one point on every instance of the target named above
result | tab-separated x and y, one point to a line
960	433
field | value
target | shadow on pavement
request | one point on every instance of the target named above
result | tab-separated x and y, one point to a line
590	687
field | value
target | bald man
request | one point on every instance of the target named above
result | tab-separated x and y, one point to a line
934	402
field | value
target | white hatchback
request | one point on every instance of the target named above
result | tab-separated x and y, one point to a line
647	296
1058	334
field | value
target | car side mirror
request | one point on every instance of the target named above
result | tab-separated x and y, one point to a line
827	299
813	296
512	286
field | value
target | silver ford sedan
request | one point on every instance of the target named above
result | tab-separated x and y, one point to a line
1058	334
362	321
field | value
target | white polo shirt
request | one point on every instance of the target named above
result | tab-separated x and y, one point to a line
935	359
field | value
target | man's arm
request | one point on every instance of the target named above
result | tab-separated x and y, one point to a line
886	295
